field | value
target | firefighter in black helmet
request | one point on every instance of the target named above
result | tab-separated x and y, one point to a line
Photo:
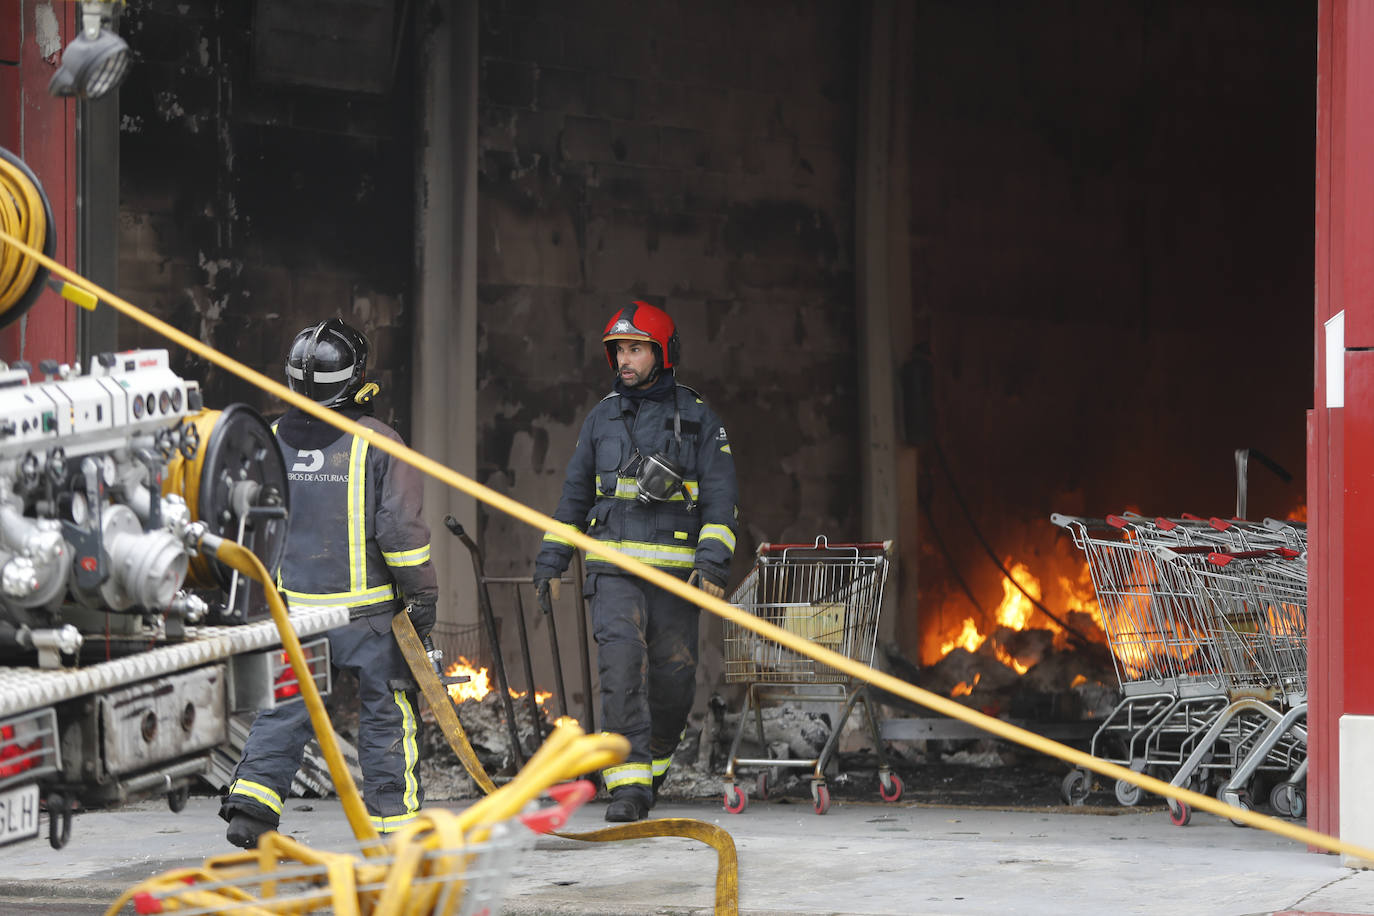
355	538
652	476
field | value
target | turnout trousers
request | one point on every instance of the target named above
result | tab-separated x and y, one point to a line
646	649
388	748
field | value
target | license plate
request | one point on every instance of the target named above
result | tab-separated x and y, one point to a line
19	814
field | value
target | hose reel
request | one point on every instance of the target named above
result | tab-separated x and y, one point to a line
236	484
25	212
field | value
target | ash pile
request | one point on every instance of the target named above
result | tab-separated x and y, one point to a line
1053	685
790	732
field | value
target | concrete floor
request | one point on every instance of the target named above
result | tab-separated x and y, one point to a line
861	858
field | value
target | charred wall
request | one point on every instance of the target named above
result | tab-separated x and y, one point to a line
700	157
257	197
1112	258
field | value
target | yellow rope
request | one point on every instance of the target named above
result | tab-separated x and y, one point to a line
716	606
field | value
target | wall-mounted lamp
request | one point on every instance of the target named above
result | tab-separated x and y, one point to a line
97	60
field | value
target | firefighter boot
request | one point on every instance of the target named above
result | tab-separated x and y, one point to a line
244	830
628	803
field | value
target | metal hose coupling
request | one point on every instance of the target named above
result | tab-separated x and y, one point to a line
198	537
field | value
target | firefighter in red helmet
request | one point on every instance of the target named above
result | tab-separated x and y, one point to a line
355	538
652	476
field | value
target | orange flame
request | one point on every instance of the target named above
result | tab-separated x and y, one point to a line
962	689
969	638
1014	613
478	684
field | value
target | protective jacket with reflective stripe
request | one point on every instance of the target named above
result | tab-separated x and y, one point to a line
355	535
695	529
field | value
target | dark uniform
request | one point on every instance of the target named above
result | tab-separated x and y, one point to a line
356	539
646	637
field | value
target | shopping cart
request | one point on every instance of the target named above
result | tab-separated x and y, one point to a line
831	594
1257	603
1206	619
1169	675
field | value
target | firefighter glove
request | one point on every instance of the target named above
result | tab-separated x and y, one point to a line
705	584
545	585
422	617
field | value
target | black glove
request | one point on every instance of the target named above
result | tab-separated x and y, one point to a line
547	585
422	617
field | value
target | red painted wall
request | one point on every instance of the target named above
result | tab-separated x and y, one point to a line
1341	440
42	131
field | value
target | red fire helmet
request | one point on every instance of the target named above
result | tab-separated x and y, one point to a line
642	321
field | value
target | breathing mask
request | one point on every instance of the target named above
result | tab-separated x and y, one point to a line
658	479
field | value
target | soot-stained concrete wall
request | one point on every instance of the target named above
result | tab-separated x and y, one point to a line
700	157
250	209
1112	247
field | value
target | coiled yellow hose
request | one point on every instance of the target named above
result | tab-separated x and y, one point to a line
25	214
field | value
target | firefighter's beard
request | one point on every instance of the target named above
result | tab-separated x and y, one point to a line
631	378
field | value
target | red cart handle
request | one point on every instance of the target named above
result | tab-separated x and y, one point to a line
1221	559
779	548
570	796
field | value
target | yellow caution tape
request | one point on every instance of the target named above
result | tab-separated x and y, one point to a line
716	606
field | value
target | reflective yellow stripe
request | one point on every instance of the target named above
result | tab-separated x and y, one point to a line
681	535
627	774
357	516
555	539
411	799
258	792
718	532
627	488
661	765
407	557
664	555
393	823
374	595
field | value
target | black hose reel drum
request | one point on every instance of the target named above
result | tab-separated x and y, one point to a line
236	485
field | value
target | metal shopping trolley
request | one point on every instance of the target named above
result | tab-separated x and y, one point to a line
1169	673
1257	609
831	594
1206	620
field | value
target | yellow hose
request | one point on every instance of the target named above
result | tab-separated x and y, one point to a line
716	606
245	561
22	215
424	865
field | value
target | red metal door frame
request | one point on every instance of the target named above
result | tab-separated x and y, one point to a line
41	130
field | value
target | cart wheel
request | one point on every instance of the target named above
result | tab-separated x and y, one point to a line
1127	793
1287	800
1075	788
820	793
1180	813
1238	800
735	800
761	785
890	787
